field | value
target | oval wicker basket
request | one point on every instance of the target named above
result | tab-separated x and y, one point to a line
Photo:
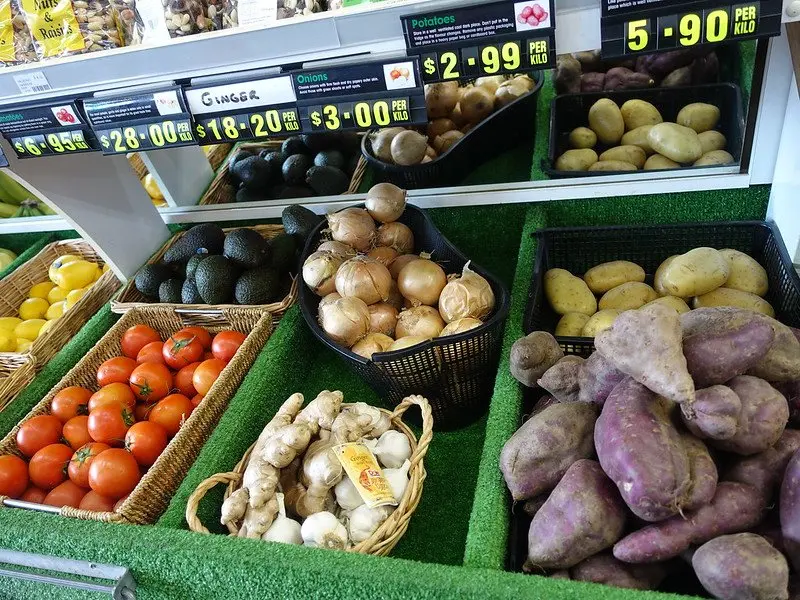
389	533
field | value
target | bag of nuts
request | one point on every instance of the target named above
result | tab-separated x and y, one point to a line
126	19
16	45
244	13
160	20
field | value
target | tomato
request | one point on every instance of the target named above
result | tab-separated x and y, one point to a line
226	343
182	349
114	394
115	370
151	382
76	431
65	494
120	502
13	476
94	501
38	432
48	467
208	356
70	402
109	424
78	469
183	380
146	441
206	374
152	353
114	473
197	400
136	338
200	333
33	494
171	412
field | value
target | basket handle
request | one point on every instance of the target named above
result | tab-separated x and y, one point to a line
427	425
199	493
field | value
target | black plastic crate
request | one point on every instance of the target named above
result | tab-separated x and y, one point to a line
580	248
501	131
455	373
569	111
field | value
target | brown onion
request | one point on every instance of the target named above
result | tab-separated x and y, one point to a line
406	342
421	321
421	281
319	272
337	248
365	278
372	343
385	202
382	318
397	236
345	320
400	262
395	297
384	255
328	300
460	326
354	227
467	296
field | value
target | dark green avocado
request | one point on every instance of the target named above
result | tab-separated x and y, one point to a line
150	277
208	236
299	222
246	248
258	286
214	278
169	292
327	181
295	167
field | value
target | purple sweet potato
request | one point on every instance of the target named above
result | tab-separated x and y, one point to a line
791	391
790	510
743	566
597	379
593	82
541	404
735	507
561	379
642	452
532	355
604	568
540	452
582	516
716	358
560	574
532	505
764	415
703	473
763	471
716	413
621	78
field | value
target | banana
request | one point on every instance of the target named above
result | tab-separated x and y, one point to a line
7	210
12	192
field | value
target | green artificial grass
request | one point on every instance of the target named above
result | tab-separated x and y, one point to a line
541	148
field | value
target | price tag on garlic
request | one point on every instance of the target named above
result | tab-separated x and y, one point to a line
366	475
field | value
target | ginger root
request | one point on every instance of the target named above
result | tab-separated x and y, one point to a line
321	471
258	520
291	486
360	420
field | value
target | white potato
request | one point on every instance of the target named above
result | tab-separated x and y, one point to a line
571	324
600	321
605	276
695	273
567	293
627	296
679	304
729	297
746	274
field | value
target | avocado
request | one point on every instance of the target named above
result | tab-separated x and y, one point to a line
317	142
299	222
327	181
208	236
246	248
295	167
295	191
330	158
150	277
246	194
253	172
352	164
350	143
189	293
275	160
258	286
215	277
169	291
191	266
283	249
237	156
294	145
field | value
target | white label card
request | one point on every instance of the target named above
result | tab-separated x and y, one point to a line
32	83
235	96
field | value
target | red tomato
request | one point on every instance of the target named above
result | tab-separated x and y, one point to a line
48	467
182	349
109	424
115	370
142	410
152	353
38	432
200	334
136	338
225	344
80	462
183	380
114	473
76	431
146	441
65	494
114	394
70	402
33	494
208	356
94	501
206	374
197	400
171	412
151	382
13	476
120	502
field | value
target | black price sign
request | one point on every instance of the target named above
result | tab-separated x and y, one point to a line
165	133
51	129
244	110
498	38
53	143
360	115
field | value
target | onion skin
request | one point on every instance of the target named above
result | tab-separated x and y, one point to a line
345	320
372	343
396	235
421	281
422	321
365	278
385	202
395	297
400	262
384	255
460	326
382	318
319	272
327	300
354	227
406	342
467	296
337	248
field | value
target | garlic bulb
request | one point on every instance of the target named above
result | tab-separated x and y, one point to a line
392	449
364	521
347	495
283	529
398	480
323	530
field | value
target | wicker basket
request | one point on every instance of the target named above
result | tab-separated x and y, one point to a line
151	496
222	191
15	375
389	533
14	290
129	297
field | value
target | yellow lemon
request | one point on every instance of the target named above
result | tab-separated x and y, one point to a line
98	274
8	343
58	263
29	329
56	295
47	325
9	323
74	296
23	345
33	308
40	290
56	310
75	275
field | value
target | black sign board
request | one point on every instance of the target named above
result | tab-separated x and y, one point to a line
487	39
47	129
631	27
363	96
139	122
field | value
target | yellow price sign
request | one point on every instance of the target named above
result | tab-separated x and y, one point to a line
147	136
247	126
364	114
54	143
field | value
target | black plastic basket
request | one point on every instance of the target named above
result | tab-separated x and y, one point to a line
572	110
580	248
501	131
455	373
